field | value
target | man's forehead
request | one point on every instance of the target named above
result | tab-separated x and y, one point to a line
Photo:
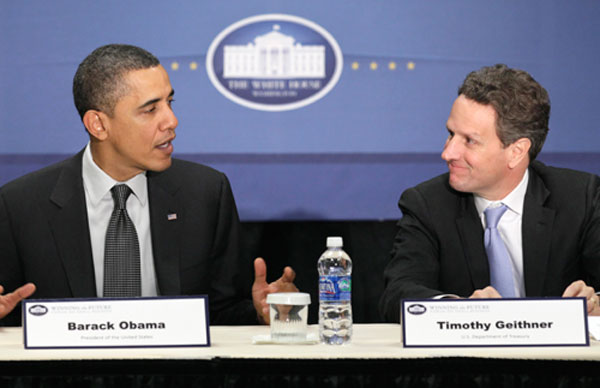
470	117
146	76
147	83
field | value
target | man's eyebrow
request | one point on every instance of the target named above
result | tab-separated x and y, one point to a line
472	134
155	100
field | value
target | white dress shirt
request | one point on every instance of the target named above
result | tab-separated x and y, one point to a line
510	228
99	204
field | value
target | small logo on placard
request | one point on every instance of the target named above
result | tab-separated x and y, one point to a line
416	309
274	62
38	310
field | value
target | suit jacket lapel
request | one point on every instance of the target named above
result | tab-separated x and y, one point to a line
470	231
166	217
537	224
69	226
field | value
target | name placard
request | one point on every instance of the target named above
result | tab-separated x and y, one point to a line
116	323
594	327
495	322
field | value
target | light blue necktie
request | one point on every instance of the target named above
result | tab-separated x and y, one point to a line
501	273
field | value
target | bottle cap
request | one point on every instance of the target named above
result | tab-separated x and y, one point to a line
334	242
293	298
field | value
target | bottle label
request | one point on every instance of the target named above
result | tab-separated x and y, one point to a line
335	288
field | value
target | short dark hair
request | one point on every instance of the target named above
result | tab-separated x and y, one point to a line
98	83
522	105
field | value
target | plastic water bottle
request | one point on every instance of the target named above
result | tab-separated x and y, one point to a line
335	292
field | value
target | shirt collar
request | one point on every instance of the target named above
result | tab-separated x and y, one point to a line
514	200
97	183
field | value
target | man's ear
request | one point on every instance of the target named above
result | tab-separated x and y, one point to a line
519	150
94	122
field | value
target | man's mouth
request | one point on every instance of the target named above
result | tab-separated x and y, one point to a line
164	145
454	165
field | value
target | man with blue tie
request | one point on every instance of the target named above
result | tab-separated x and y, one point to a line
499	223
122	218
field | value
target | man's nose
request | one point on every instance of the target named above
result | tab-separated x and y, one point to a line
450	151
170	121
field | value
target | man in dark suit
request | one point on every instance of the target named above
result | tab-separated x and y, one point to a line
550	219
53	222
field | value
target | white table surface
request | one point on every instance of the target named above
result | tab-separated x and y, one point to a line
370	341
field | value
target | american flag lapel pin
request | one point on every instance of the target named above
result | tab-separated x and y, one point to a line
172	216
